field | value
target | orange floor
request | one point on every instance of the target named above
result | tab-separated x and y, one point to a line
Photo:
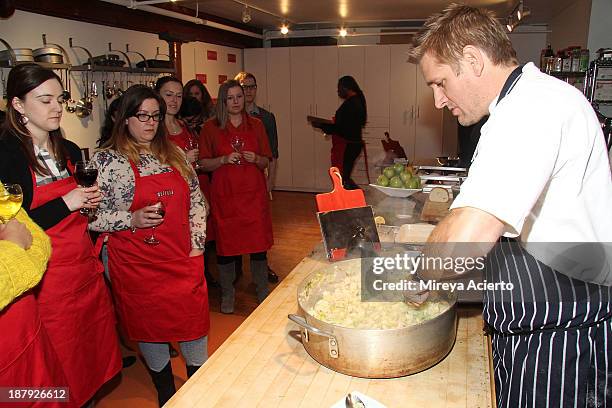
295	234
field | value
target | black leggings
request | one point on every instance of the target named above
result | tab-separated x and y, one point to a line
224	260
351	153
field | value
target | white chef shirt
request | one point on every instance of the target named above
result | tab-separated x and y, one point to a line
541	165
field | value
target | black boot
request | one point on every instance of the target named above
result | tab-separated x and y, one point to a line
191	370
164	384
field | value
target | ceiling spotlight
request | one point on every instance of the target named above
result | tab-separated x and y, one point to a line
343	32
510	24
246	15
284	29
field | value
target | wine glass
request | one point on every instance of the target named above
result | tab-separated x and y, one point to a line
11	198
161	210
85	174
237	144
192	144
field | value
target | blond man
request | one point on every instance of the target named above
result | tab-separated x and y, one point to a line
539	176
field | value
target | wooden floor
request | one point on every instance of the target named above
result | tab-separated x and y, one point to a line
296	232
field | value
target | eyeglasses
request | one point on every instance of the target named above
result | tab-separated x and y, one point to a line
249	87
144	117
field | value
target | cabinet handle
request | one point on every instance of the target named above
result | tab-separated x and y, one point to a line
418	112
405	116
412	112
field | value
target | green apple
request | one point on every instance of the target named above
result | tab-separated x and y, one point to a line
382	180
415	182
399	168
396	182
389	172
405	176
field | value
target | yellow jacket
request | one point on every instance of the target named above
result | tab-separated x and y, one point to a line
20	269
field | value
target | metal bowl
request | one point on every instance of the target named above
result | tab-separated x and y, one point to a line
376	353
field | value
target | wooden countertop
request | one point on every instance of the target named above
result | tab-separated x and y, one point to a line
264	364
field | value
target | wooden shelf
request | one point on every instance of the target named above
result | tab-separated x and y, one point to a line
111	68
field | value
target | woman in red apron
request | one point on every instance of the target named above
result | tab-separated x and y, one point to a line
234	146
154	211
182	135
24	252
74	303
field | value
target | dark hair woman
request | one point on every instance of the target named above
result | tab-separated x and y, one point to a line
350	118
196	89
155	213
234	146
73	300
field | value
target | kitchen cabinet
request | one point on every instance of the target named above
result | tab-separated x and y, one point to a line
278	74
301	81
255	63
302	104
414	119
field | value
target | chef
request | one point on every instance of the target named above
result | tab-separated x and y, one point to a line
540	175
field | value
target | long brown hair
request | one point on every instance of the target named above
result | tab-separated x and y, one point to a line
161	147
21	80
221	107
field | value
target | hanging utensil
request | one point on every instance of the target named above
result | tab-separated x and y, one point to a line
84	106
3	84
70	108
94	90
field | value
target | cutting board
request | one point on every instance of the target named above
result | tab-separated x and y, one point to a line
339	198
340	212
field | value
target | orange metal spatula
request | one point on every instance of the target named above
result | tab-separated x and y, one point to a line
339	198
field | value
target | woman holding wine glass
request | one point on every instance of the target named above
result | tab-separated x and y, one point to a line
24	252
234	146
157	281
73	301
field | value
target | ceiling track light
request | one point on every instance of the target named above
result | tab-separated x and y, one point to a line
342	32
246	15
284	28
518	14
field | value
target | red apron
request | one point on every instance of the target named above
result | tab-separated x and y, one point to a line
160	292
74	302
27	357
239	201
337	150
204	178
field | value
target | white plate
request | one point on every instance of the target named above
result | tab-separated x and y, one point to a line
396	192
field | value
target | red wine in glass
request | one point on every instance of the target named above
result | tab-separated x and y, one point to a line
85	174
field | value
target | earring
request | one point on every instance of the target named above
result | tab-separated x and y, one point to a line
24	120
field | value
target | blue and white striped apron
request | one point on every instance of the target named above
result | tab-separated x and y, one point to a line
551	334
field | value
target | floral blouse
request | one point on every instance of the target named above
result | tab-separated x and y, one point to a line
116	180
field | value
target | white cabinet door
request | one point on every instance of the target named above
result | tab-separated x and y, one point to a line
302	105
402	99
351	61
326	102
376	85
255	63
279	102
428	124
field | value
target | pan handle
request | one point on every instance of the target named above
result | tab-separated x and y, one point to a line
300	321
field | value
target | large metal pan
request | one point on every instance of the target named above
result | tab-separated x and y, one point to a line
376	353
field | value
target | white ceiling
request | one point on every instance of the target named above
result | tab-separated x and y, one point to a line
381	12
